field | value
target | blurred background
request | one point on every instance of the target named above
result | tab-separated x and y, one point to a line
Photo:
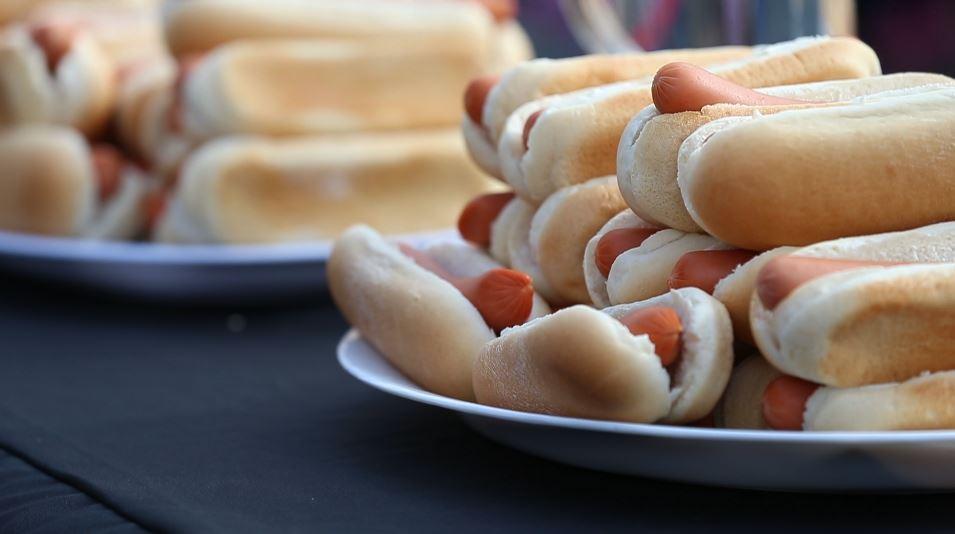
907	35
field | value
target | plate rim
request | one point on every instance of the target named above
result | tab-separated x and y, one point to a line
55	248
353	338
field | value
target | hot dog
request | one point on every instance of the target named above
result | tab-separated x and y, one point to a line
491	100
56	74
387	296
55	183
679	87
705	268
857	326
759	396
650	145
260	190
637	258
582	362
576	136
848	134
479	214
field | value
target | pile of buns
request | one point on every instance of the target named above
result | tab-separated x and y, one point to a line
241	121
735	237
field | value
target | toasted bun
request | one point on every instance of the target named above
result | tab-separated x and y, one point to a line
577	362
247	190
923	403
863	326
422	324
47	185
707	358
596	283
269	87
642	272
561	228
576	136
856	174
80	93
742	403
647	154
198	26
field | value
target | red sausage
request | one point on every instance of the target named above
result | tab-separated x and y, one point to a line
679	87
705	268
616	242
781	276
479	214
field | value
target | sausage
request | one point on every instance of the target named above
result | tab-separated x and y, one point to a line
476	94
679	87
781	276
529	125
501	10
187	65
479	214
616	242
108	165
504	297
663	326
705	268
56	40
784	402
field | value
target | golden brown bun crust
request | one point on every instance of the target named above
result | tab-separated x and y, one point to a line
420	323
564	224
865	178
260	190
736	291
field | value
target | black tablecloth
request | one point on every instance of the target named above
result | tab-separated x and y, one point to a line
123	415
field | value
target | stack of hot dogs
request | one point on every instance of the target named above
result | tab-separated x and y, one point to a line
746	238
242	121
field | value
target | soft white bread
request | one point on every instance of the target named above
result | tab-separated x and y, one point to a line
128	33
143	119
596	283
505	226
18	10
742	403
706	361
254	190
922	403
561	228
648	150
313	87
577	362
199	26
642	272
422	324
865	177
49	187
536	79
516	226
80	92
576	135
581	362
862	326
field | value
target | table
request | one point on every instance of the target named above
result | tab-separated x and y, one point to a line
129	416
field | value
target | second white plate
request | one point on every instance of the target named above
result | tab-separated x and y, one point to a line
178	273
793	461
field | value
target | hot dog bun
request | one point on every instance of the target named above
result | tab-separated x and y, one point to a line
560	364
648	150
252	190
561	228
576	135
388	298
741	405
862	326
49	187
854	169
514	226
596	283
18	10
539	78
79	91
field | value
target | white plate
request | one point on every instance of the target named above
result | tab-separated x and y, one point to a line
194	273
794	461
